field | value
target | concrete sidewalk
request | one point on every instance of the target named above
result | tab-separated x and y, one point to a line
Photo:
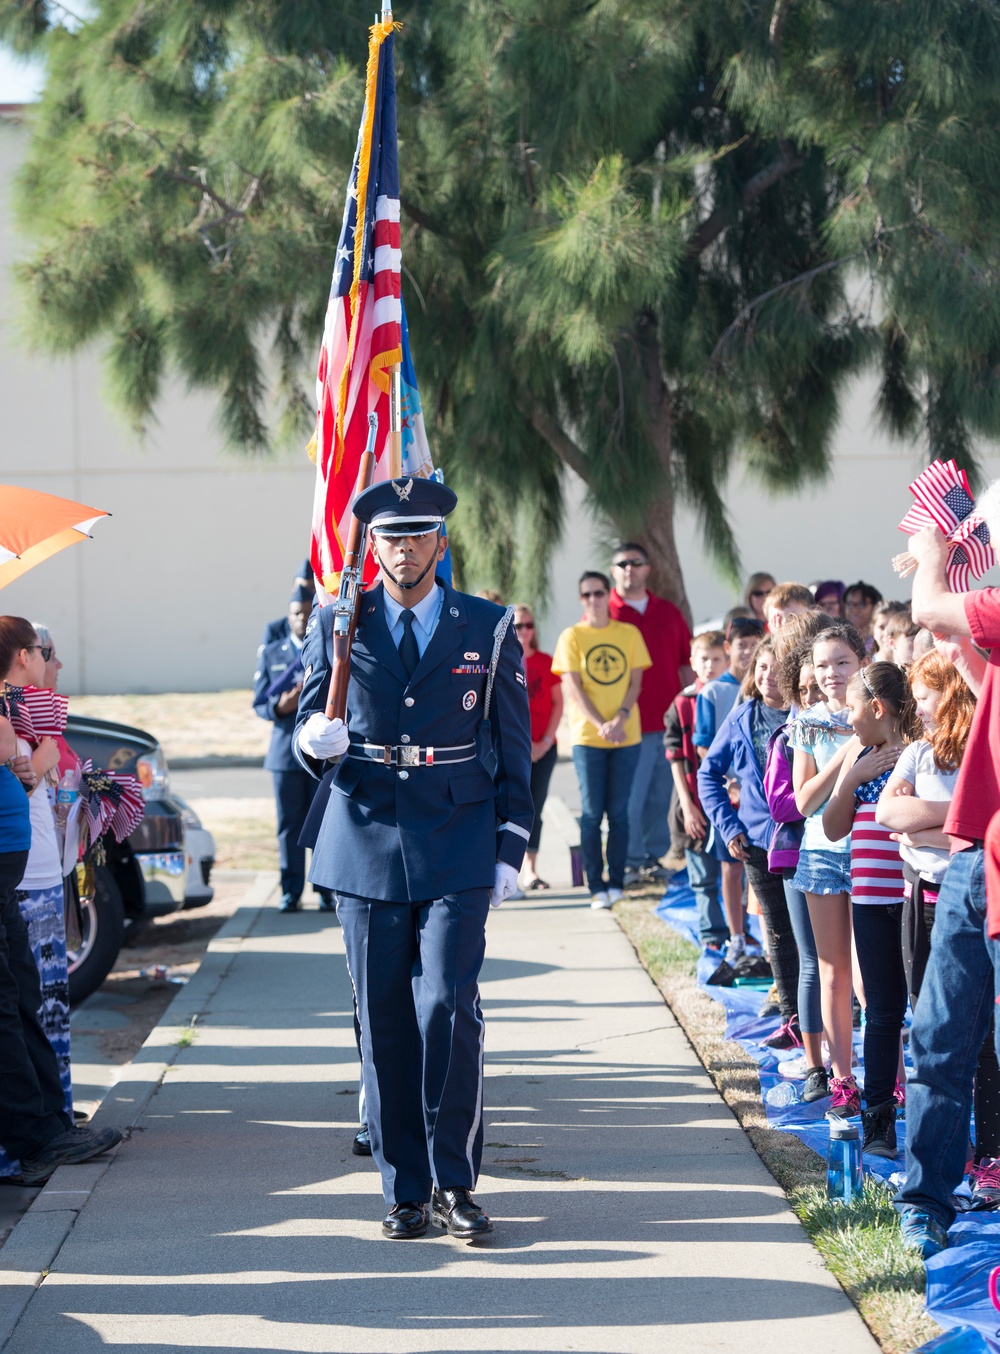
631	1211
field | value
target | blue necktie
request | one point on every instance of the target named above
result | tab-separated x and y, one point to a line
408	651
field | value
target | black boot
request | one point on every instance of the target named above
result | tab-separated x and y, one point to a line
880	1130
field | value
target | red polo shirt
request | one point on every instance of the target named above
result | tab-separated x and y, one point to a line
668	640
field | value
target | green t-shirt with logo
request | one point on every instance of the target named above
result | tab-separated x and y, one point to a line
605	658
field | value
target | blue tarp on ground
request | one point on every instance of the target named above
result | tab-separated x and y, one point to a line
746	1028
957	1279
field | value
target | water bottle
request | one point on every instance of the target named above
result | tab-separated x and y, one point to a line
958	1340
843	1162
782	1095
67	794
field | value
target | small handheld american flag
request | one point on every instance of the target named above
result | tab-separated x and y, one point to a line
945	500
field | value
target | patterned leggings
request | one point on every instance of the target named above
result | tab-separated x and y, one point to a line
42	910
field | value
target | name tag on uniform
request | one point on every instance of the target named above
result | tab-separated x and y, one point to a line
470	670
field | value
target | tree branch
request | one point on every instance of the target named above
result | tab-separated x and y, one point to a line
713	226
560	442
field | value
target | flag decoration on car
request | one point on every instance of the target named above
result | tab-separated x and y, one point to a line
945	500
112	802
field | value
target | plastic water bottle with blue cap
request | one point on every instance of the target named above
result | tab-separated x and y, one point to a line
843	1162
958	1340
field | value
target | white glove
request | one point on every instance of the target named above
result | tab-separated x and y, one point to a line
323	738
504	883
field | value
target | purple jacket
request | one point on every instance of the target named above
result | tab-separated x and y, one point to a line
783	850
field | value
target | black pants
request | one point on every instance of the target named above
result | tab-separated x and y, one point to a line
918	924
541	774
770	893
32	1102
877	932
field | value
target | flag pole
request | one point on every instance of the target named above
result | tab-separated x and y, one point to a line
396	388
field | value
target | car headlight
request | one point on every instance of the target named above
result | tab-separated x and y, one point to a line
151	773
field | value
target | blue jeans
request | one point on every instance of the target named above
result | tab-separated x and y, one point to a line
649	804
949	1026
810	1010
605	776
705	879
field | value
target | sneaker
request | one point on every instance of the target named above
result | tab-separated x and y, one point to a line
985	1182
68	1149
845	1097
816	1085
633	879
793	1069
827	1060
735	948
899	1099
723	976
615	896
599	900
922	1232
785	1036
879	1128
655	873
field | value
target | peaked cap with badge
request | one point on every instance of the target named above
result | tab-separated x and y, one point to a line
408	506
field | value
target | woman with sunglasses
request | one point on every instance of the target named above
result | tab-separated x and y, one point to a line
757	588
545	707
23	662
601	662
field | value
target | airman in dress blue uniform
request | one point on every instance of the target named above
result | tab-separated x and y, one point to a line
427	819
276	686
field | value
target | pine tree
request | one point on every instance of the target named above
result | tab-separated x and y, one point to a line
640	240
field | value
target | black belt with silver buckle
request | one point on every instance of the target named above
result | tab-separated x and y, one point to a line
408	754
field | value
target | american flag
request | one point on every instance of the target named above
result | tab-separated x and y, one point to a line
362	339
944	499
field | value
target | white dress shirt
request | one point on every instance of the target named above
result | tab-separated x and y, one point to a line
426	615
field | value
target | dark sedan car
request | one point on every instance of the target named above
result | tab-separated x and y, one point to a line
147	874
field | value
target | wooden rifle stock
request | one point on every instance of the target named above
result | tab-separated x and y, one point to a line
348	603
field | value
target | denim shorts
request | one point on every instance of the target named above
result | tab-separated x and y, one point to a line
823	872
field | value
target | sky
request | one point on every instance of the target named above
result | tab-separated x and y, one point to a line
20	81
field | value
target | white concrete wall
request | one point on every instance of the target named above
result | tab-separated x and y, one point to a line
173	592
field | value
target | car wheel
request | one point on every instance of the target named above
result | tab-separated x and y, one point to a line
103	927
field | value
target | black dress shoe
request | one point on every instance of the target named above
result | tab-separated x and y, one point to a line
326	903
362	1144
458	1212
405	1221
289	903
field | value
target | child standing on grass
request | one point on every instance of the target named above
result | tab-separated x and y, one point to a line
883	716
819	740
914	805
709	661
742	744
715	701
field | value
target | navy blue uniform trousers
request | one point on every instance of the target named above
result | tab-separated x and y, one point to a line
415	969
293	792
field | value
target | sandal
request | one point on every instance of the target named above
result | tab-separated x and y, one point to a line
537	884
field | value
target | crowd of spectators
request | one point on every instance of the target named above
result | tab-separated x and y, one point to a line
828	759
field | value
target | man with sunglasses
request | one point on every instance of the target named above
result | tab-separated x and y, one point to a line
425	824
668	640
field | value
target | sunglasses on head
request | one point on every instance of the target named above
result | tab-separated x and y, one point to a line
44	649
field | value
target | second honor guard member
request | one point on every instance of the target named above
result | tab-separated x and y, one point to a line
426	825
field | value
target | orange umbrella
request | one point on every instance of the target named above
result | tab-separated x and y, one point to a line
34	526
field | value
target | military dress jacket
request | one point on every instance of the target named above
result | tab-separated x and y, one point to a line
412	833
273	660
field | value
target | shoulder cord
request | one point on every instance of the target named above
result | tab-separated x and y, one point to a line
499	635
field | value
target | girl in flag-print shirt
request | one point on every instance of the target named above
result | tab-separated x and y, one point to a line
883	715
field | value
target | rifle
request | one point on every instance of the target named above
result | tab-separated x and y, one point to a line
345	610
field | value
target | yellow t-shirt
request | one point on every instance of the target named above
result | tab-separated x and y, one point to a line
605	658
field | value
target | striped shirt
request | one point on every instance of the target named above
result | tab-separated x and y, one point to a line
876	865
